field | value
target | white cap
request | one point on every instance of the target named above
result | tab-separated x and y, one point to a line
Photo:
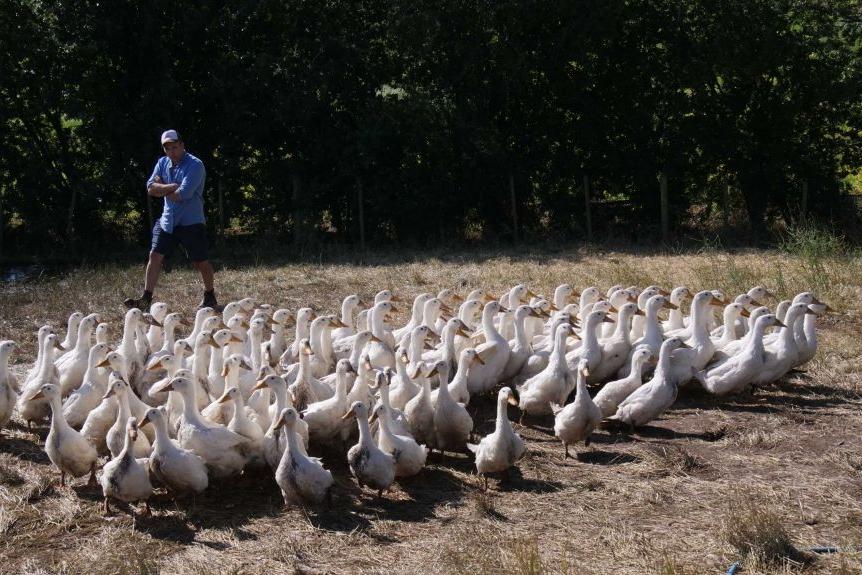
170	136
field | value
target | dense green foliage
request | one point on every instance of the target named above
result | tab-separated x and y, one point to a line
439	112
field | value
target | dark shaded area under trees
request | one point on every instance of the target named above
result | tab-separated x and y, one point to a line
437	114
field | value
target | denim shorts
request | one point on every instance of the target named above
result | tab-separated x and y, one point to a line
192	238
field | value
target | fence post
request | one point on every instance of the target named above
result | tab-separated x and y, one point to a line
726	209
589	217
514	205
665	224
804	198
361	203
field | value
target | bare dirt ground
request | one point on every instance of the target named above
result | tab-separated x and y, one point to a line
756	478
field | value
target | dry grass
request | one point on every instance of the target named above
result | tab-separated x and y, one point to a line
652	502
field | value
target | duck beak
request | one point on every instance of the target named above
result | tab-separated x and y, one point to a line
606	319
488	298
632	299
155	366
394	309
756	303
504	309
109	393
347	415
103	363
260	384
640	312
779	323
531	293
613	309
669	305
665	293
212	342
153	321
376	339
685	345
809	311
279	423
479	359
462	333
39	395
373	418
244	364
586	372
432	373
223	399
144	421
745	312
224	370
58	346
457	298
428	346
512	400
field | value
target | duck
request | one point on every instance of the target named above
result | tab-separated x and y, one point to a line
125	477
684	365
675	319
302	330
380	352
543	346
200	317
324	417
613	393
74	367
241	424
653	335
156	333
273	437
349	306
83	400
403	388
521	347
132	368
323	360
780	357
303	480
458	387
590	349
369	464
736	372
281	319
307	389
732	313
166	365
43	333
178	469
222	339
33	405
452	423
653	398
408	455
72	324
397	420
417	313
576	421
551	385
494	352
639	324
203	345
221	413
806	339
116	436
67	449
8	383
420	412
500	450
616	349
446	352
216	445
361	390
359	342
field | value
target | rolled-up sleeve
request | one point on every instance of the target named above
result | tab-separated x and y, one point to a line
192	181
155	173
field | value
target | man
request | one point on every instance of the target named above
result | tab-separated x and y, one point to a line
178	178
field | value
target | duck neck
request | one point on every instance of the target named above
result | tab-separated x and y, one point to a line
637	370
302	330
809	329
521	339
347	309
755	339
653	331
82	345
417	342
699	317
292	448
503	422
663	366
729	320
239	415
201	363
489	327
364	432
162	441
216	362
128	341
58	422
622	330
256	338
326	344
356	351
461	371
190	407
591	340
341	387
581	386
170	337
559	351
47	361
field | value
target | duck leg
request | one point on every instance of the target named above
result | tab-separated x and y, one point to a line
92	481
105	506
566	449
485	482
62	478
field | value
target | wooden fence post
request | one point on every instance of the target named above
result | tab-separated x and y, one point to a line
361	203
514	205
588	215
665	224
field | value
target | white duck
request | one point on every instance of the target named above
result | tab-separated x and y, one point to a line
217	446
116	436
242	425
66	448
409	456
458	388
302	479
501	449
675	318
369	464
452	423
653	398
590	350
576	421
43	332
613	393
397	420
653	335
616	349
380	352
277	339
780	357
87	397
156	333
8	383
521	347
33	405
178	469
554	383
806	341
307	389
72	331
402	387
415	318
733	374
74	367
125	477
494	352
349	306
420	412
273	438
304	317
324	417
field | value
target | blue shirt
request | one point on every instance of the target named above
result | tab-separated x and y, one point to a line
190	175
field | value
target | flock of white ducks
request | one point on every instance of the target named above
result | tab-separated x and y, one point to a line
239	393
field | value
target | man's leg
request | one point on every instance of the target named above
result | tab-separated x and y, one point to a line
154	268
163	244
207	274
